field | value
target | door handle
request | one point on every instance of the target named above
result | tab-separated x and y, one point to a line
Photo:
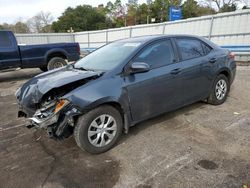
175	71
212	60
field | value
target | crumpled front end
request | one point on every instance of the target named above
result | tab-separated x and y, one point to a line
42	101
53	113
57	116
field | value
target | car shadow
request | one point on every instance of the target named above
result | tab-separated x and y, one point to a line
17	75
136	129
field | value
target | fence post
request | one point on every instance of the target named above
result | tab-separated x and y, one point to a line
47	37
211	27
164	26
88	41
107	36
73	37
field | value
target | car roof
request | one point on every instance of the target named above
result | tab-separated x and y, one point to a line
147	38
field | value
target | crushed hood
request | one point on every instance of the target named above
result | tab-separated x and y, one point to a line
32	91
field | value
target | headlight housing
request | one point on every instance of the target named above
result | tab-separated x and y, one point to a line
60	104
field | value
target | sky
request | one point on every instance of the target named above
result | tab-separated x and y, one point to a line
12	11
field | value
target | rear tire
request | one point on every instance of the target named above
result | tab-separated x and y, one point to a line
98	130
56	62
220	90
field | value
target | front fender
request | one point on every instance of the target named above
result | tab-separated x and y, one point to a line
86	105
98	92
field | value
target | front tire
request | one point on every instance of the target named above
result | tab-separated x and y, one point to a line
219	91
98	130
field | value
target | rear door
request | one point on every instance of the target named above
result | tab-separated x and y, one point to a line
157	90
9	53
194	69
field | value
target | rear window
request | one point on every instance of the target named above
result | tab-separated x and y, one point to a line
5	41
190	48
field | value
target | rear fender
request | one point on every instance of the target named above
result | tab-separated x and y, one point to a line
55	51
222	70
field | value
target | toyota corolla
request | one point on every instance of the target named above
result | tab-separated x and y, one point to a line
123	83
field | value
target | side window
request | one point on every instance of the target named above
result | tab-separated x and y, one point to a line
5	41
190	48
207	49
157	54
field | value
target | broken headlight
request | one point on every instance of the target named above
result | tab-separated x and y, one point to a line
60	104
48	113
51	107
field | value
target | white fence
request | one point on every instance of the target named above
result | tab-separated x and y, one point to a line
225	29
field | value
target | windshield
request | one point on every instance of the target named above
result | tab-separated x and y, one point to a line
107	57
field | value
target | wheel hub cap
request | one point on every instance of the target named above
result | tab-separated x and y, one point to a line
58	65
102	130
221	89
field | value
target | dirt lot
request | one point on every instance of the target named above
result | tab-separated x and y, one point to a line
197	146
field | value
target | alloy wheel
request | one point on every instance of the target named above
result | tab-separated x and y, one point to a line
221	89
102	130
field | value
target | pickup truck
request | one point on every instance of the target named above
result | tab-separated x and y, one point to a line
43	56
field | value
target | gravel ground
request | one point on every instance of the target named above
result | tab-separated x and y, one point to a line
197	146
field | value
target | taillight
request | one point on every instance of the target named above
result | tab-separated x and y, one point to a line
231	55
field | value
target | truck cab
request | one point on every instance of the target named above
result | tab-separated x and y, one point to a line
43	56
9	51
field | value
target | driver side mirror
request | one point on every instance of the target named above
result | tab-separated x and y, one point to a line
139	67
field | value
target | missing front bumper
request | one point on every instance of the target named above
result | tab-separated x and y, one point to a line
59	125
44	123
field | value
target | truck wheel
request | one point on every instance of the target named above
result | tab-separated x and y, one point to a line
219	91
98	130
56	62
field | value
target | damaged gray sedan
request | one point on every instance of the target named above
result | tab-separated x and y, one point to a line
123	83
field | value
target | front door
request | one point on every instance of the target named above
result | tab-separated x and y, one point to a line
156	91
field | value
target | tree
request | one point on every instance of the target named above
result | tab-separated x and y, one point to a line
41	23
19	27
191	8
143	13
224	5
81	18
116	13
228	8
132	14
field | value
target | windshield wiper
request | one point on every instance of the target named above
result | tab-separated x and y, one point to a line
82	68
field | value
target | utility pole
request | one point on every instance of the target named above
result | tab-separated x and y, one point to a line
148	3
162	9
125	12
70	30
134	3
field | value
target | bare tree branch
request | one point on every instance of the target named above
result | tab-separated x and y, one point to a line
41	22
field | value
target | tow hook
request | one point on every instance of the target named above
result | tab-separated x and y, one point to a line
50	132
